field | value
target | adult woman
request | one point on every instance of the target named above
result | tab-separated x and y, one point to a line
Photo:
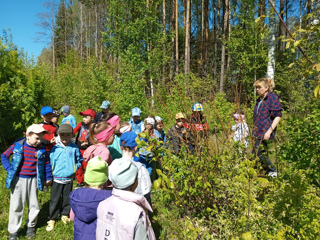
266	116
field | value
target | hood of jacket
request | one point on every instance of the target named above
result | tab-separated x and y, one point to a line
85	201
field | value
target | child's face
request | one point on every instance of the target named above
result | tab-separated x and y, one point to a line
110	140
48	117
34	139
87	119
136	118
55	119
159	126
105	110
65	138
180	122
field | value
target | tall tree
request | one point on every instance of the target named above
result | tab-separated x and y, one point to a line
223	49
272	42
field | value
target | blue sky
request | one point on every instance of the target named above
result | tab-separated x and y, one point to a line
20	17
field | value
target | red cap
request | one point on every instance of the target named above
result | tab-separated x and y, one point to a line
89	112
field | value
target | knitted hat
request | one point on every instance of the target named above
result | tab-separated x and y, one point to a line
96	172
65	109
122	173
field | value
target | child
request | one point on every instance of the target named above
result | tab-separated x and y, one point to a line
55	118
159	132
84	202
47	124
101	135
65	159
240	129
68	118
82	140
26	173
124	215
135	122
114	121
177	134
105	106
128	146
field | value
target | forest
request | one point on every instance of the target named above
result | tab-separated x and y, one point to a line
164	56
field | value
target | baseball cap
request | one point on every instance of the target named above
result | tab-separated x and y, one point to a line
89	112
136	112
105	105
45	110
56	113
158	119
36	128
65	128
197	107
65	109
129	138
180	115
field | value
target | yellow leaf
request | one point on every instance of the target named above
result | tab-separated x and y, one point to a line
290	65
157	183
317	67
316	91
296	43
287	45
247	236
257	19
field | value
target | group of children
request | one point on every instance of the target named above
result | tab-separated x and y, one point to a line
116	200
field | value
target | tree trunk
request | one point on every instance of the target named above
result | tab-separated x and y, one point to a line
281	30
81	36
96	31
187	41
216	39
177	36
172	25
272	44
206	39
202	31
65	29
164	41
52	37
223	50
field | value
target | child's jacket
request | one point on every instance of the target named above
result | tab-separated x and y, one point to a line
43	171
136	126
84	203
65	160
118	216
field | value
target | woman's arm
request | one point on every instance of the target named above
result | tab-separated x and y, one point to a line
271	129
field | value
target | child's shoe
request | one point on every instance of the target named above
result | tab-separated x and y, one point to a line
31	232
50	225
65	219
13	236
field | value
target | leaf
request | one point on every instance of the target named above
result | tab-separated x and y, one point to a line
317	67
316	92
247	236
157	183
159	172
296	43
290	65
287	45
257	19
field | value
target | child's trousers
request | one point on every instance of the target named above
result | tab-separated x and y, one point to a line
22	190
59	192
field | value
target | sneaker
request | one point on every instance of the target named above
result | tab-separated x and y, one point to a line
79	185
273	174
13	236
65	219
31	232
50	226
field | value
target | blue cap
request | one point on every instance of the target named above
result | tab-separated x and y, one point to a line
105	105
129	139
45	110
197	107
65	109
136	112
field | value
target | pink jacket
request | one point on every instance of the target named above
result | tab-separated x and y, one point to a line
102	151
118	215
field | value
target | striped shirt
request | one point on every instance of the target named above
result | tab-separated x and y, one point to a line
28	164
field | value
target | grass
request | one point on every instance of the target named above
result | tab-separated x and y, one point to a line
60	232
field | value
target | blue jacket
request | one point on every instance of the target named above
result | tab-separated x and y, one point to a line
136	127
69	120
43	171
84	203
65	161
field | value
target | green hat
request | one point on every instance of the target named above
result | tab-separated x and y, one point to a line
123	173
97	172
